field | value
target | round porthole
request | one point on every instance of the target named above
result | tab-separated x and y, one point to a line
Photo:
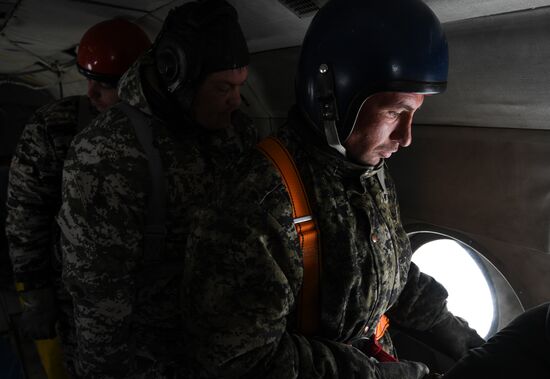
455	266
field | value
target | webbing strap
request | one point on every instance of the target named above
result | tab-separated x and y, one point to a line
309	304
155	219
308	308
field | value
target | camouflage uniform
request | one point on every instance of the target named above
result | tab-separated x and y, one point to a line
243	270
34	193
34	198
127	316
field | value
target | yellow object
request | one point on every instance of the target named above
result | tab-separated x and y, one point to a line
51	357
49	351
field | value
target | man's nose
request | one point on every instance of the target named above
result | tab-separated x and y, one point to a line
403	132
234	99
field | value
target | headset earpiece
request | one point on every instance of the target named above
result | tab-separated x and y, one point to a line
172	62
177	58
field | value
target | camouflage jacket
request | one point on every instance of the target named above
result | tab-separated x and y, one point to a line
243	270
127	314
34	192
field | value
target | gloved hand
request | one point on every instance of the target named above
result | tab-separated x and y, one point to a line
454	337
403	370
39	313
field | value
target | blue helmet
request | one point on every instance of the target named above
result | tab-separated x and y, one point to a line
355	48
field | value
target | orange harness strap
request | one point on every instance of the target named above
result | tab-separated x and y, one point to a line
381	328
309	304
309	310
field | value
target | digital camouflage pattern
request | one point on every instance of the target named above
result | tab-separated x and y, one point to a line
127	314
34	192
243	270
34	198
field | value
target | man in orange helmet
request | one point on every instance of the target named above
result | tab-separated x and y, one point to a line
105	52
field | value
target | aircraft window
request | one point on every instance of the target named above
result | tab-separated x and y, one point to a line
456	267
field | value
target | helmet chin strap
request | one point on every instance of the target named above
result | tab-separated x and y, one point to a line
329	113
331	133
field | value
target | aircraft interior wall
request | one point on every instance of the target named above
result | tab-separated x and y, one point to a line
17	103
490	185
498	69
269	92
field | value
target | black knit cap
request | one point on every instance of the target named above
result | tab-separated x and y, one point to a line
211	29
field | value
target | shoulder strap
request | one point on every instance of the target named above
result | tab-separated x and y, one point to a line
155	219
309	310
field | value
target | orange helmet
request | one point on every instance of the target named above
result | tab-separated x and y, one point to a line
109	48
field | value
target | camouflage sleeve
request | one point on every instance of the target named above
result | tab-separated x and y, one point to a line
33	199
242	276
422	308
100	219
422	303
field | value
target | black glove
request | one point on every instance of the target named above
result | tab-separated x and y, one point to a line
403	370
454	337
39	313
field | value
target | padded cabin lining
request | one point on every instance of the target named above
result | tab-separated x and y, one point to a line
491	185
498	75
493	182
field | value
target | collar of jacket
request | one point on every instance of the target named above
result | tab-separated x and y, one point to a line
130	88
331	161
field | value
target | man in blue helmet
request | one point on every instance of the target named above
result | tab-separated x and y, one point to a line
274	292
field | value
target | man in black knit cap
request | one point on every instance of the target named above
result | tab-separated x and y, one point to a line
129	181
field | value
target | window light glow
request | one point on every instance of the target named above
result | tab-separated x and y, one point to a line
469	293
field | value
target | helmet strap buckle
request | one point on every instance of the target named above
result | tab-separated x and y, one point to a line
329	110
